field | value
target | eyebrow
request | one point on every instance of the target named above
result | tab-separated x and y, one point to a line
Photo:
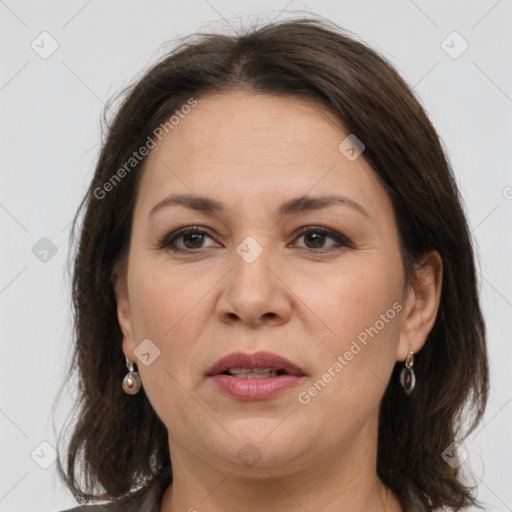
295	205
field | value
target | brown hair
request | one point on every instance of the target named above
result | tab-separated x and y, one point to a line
119	447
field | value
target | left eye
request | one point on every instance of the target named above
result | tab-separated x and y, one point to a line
317	237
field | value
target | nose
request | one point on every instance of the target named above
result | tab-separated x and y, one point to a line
254	293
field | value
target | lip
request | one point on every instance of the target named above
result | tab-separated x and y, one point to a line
256	360
254	389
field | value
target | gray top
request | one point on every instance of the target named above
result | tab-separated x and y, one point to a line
150	503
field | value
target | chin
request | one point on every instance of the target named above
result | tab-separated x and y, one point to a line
258	444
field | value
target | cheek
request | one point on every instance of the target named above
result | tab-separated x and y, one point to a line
354	297
362	321
164	310
163	300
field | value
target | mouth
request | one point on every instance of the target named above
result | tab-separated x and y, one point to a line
254	373
251	377
259	365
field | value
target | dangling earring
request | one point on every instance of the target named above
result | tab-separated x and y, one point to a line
407	377
131	381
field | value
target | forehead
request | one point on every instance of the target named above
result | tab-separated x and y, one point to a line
243	144
267	126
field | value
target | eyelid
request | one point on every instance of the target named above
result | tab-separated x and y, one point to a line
165	241
342	239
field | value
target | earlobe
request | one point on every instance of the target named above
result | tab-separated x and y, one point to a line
422	305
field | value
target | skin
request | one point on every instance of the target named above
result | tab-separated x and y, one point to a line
252	152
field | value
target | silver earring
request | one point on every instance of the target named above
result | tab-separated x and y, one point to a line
407	377
131	381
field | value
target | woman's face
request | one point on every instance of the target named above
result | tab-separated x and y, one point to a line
248	281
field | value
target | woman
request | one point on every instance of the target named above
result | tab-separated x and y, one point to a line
275	292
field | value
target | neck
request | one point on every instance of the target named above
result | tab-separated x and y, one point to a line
341	480
230	494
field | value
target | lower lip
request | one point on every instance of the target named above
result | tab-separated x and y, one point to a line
254	389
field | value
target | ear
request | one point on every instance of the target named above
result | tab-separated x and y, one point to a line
124	316
421	305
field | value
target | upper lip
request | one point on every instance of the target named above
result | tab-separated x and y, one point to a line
255	360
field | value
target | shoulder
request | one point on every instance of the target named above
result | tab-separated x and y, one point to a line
95	508
115	507
111	507
147	501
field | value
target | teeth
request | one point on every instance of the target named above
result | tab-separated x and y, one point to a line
249	370
254	373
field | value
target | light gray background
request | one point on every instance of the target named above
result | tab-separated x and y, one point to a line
50	112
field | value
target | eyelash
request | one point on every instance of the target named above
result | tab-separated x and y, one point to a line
167	240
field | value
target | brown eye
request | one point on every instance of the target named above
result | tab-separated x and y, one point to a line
193	240
185	239
315	238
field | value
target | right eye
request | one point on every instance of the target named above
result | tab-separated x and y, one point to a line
184	240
